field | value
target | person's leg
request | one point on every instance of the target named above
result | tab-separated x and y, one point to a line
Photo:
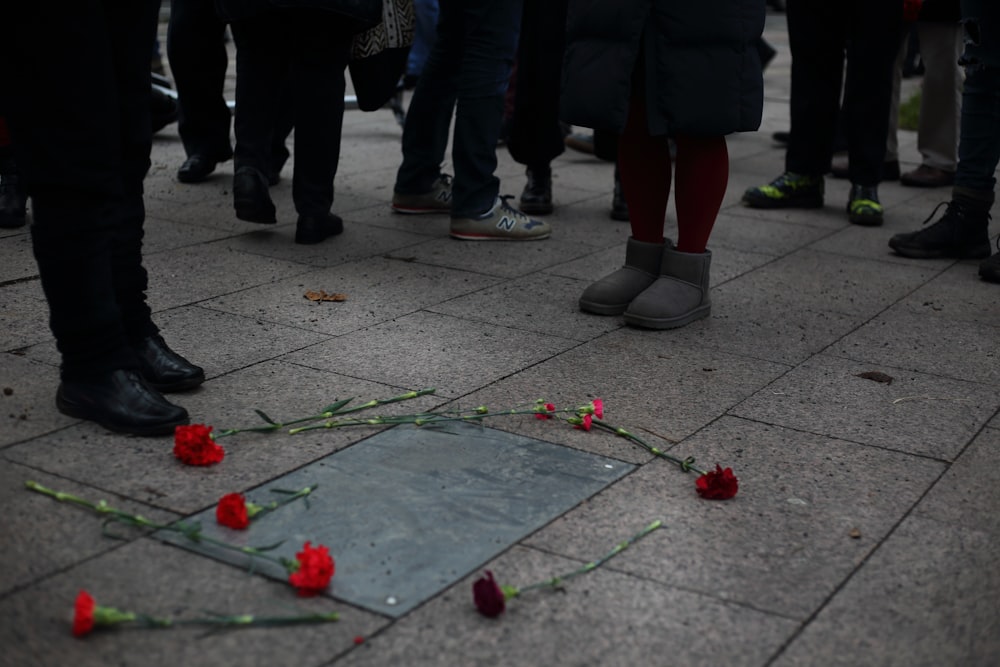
534	135
198	61
261	67
489	36
702	174
318	57
892	138
872	47
428	118
83	166
941	101
644	166
425	25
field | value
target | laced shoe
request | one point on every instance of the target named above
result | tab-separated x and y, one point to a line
790	190
501	223
536	198
989	268
959	234
435	200
863	207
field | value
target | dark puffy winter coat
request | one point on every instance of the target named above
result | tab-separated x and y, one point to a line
696	61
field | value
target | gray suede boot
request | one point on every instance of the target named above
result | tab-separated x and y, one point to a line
611	294
678	297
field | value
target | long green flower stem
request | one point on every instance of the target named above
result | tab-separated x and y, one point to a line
423	419
255	511
555	582
191	531
338	408
687	465
241	620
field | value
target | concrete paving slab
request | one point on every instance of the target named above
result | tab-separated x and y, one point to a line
926	343
605	618
201	335
784	543
24	315
182	585
836	283
27	399
733	231
410	510
18	259
544	304
825	395
359	241
71	534
162	235
377	290
209	270
967	495
930	595
669	388
956	293
431	350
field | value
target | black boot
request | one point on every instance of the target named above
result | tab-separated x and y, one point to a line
122	402
13	201
961	233
250	197
619	210
315	228
536	199
164	369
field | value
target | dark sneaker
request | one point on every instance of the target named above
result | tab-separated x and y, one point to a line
863	207
500	223
789	190
435	200
959	234
989	269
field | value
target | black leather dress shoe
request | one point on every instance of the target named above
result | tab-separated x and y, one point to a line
315	228
250	197
122	402
536	199
164	369
196	169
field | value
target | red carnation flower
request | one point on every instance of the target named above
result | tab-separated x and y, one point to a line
195	446
717	484
544	410
313	570
583	422
83	617
232	511
488	596
598	408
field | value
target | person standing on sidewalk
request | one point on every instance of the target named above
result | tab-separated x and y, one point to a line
819	33
963	230
83	167
467	72
649	71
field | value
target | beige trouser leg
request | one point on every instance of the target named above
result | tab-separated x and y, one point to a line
941	99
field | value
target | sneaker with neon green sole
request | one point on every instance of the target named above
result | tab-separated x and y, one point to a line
501	223
863	207
790	190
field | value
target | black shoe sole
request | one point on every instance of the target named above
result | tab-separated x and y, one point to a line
186	384
981	252
165	428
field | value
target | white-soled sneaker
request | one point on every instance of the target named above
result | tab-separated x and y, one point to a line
436	200
501	223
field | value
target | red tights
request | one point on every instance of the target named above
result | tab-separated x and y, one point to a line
644	166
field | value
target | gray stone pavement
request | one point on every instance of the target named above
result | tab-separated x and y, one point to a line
866	526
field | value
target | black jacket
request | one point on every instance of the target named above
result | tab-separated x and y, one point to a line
695	60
